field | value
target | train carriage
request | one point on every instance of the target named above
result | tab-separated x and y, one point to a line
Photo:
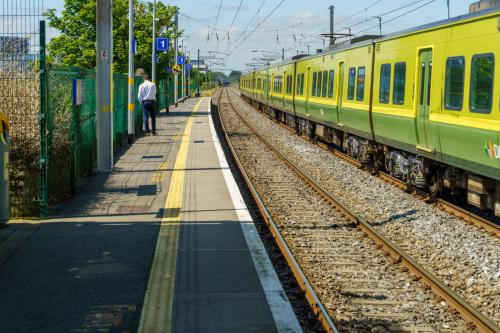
422	103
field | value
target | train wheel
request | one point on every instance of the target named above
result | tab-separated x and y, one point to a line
436	185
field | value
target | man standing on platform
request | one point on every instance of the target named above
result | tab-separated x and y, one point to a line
147	98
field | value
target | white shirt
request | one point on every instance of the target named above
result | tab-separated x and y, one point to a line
147	91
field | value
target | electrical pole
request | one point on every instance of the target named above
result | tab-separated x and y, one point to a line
153	53
176	54
183	72
379	24
131	103
448	5
282	54
198	76
104	60
350	32
332	40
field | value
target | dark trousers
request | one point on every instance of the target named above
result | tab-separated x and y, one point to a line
149	110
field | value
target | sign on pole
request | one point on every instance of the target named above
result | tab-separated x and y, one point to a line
189	67
181	60
162	44
176	69
134	46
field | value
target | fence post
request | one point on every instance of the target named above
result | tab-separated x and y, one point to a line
74	137
43	190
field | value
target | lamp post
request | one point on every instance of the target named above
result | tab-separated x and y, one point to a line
153	53
131	103
104	81
176	54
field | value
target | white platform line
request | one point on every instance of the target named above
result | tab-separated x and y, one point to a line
281	309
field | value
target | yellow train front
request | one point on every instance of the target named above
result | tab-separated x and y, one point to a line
422	103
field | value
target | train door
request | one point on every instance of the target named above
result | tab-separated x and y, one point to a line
424	96
268	87
272	89
283	90
262	86
307	87
340	92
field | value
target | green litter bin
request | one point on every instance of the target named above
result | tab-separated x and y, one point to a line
4	168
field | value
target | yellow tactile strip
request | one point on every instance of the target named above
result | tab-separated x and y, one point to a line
157	308
160	173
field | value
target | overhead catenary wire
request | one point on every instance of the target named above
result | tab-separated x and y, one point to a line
249	22
234	19
200	22
397	17
384	14
367	20
259	24
217	17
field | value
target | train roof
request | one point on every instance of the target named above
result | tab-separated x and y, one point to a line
348	45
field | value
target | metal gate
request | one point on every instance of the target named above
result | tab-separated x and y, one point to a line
19	98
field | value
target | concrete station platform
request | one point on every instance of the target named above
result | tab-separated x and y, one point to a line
164	243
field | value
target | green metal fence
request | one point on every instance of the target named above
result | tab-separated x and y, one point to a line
69	133
138	109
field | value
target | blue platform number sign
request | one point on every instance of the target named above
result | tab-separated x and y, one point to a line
181	60
134	46
161	44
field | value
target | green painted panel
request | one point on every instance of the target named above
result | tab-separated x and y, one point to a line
300	108
358	120
323	112
395	128
470	148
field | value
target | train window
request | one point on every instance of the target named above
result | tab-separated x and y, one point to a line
385	83
315	75
302	84
320	84
351	83
330	83
325	83
290	89
454	83
481	85
360	85
398	92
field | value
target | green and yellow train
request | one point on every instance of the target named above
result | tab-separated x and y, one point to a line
422	103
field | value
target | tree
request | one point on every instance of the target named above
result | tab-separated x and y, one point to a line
75	46
234	76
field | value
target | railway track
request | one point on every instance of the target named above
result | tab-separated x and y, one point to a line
492	226
317	227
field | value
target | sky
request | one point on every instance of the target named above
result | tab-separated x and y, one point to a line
262	28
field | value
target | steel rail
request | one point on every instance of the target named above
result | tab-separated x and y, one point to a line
442	204
456	302
448	207
310	295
